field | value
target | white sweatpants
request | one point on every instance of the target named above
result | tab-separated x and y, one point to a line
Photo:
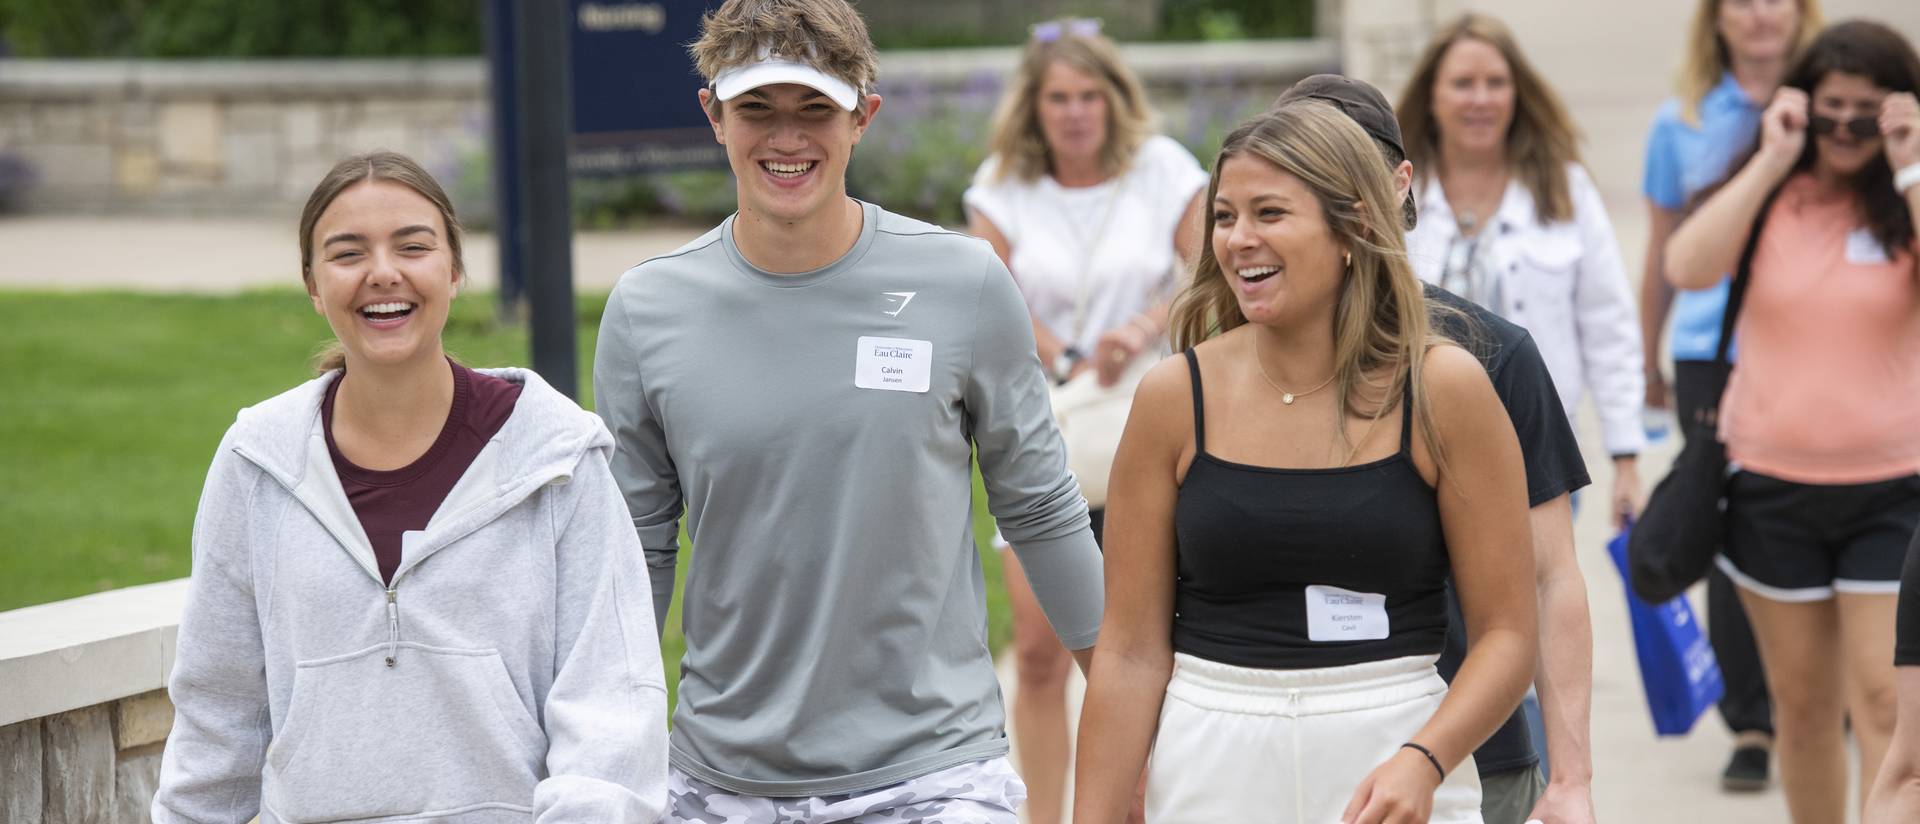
1291	746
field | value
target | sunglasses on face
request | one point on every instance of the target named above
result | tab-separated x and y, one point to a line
1076	27
1858	127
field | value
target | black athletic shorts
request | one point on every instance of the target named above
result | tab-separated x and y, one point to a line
1803	542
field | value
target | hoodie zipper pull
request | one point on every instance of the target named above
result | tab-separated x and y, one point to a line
393	627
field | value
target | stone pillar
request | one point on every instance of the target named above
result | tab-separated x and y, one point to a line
1381	39
21	796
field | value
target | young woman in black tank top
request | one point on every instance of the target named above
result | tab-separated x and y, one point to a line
1288	501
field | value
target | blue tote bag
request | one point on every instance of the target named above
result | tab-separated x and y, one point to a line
1677	666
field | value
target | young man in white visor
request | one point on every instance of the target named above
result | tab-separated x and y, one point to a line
809	383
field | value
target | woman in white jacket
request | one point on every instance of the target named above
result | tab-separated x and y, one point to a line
417	593
1511	221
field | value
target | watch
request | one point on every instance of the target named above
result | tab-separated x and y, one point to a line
1063	364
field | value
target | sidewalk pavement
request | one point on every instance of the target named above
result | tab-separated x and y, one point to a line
233	254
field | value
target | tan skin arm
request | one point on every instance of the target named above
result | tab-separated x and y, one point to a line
1656	300
1564	675
1707	245
1134	659
1483	512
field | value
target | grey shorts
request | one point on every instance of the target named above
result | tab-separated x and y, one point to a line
1507	798
978	792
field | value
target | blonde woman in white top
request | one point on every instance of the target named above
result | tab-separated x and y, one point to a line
1511	221
1093	213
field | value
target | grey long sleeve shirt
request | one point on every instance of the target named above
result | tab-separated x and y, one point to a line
817	429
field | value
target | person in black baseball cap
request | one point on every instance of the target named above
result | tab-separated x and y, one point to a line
1513	780
1366	106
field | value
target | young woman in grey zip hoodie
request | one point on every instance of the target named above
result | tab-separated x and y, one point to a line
500	665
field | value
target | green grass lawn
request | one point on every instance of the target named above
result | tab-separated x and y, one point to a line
114	403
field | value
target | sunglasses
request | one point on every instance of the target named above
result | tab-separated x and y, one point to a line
1858	127
1072	27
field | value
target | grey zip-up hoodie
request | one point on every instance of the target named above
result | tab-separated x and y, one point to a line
510	673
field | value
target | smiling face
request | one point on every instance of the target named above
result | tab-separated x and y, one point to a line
789	146
383	273
1473	96
1758	29
1275	249
1072	108
1843	96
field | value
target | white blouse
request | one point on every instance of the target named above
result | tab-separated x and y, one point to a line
1117	235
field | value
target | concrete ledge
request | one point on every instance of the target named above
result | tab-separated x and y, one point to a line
85	651
40	79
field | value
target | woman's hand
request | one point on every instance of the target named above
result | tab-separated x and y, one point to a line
1783	129
1900	128
1117	348
1397	792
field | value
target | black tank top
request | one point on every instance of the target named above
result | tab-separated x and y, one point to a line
1255	544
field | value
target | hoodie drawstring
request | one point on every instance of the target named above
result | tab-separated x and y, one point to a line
393	627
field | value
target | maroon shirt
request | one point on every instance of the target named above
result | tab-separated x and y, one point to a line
393	502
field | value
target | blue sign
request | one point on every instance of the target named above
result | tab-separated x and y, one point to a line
636	105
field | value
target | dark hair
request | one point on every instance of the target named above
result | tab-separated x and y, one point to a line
379	165
1880	54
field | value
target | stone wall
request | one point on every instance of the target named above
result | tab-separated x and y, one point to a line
223	136
83	716
242	136
96	765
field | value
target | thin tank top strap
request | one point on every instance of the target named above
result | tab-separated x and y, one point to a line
1406	419
1199	408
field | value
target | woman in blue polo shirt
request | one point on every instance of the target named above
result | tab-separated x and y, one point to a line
1737	53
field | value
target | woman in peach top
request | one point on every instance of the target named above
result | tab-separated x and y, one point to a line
1822	416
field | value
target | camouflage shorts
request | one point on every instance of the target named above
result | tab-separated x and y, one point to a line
978	792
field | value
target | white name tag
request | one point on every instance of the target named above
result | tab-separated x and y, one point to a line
1335	614
893	364
1863	248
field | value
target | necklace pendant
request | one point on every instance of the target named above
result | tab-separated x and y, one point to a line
1286	398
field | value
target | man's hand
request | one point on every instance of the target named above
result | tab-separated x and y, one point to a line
1626	490
1564	803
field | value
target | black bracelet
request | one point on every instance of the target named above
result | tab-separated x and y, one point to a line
1430	759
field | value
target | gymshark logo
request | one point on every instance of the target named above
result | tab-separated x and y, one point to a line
903	297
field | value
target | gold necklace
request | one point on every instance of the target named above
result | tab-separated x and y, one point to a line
1288	397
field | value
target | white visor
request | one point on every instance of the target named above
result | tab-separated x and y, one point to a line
769	71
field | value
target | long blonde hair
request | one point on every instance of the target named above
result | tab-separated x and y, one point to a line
392	167
1707	56
1016	140
1380	315
1542	140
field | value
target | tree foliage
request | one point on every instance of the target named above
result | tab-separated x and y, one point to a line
431	28
241	28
